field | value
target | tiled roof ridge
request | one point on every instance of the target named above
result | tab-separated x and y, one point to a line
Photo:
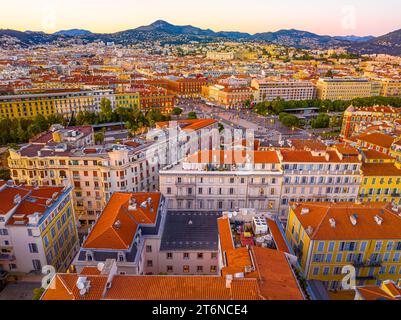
259	275
69	290
321	221
111	227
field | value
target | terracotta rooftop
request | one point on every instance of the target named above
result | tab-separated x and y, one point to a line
117	225
317	220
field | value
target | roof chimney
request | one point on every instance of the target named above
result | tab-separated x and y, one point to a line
229	279
117	224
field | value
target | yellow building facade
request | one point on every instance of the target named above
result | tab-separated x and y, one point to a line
380	178
127	100
329	236
344	89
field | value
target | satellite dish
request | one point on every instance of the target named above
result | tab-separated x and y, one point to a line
81	285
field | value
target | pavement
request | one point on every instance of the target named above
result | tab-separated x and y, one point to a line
268	127
20	290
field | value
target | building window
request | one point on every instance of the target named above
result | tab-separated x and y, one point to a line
199	268
36	265
169	255
186	269
33	248
186	255
169	268
214	255
149	263
148	248
213	269
200	255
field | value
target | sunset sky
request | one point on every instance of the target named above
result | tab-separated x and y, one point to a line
340	17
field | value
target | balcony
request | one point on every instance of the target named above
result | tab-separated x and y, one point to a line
366	264
365	278
7	257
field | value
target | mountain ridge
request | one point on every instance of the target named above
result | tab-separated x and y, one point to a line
166	32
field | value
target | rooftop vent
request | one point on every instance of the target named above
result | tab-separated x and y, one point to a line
379	220
304	211
332	222
83	285
354	219
17	198
132	204
144	204
117	224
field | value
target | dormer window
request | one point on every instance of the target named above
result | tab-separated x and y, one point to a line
89	256
121	257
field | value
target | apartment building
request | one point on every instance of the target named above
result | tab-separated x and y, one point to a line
126	99
185	87
37	228
156	98
253	273
380	178
136	230
63	102
95	171
344	88
355	118
228	96
390	87
214	55
376	140
329	174
328	236
224	181
286	90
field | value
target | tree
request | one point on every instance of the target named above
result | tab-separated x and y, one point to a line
288	120
106	111
192	115
321	121
37	293
5	174
177	111
99	137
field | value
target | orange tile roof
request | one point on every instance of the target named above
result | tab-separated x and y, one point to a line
377	139
225	236
380	169
181	288
106	234
194	124
319	215
276	279
375	293
371	154
90	271
298	156
300	144
277	236
63	287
